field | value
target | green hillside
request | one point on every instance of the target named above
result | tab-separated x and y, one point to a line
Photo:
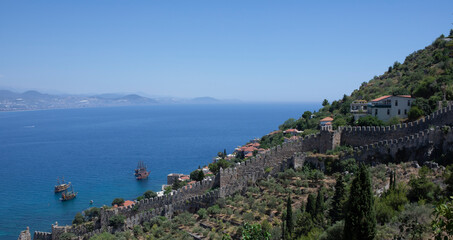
426	74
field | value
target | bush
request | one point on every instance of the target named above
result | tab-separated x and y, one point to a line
289	173
333	232
78	219
369	121
67	236
167	190
214	209
149	194
118	201
117	221
422	188
197	175
384	213
92	213
102	236
415	113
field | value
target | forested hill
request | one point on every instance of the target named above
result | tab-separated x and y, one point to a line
426	74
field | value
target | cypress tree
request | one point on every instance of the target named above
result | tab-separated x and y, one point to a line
311	205
289	217
320	202
360	219
338	201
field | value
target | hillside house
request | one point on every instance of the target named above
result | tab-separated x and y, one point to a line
326	121
293	132
387	107
384	108
359	108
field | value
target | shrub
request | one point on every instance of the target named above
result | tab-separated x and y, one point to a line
118	201
149	194
422	188
67	236
92	213
214	209
369	121
415	113
138	231
333	232
167	190
78	219
116	221
248	217
197	175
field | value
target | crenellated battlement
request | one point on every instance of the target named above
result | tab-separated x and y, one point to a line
399	142
42	235
420	146
357	136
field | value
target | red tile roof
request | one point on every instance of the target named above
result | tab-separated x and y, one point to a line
274	132
387	96
250	149
249	155
381	98
185	178
326	119
291	130
128	203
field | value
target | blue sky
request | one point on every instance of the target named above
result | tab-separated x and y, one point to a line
278	51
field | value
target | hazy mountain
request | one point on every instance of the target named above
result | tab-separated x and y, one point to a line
204	100
34	100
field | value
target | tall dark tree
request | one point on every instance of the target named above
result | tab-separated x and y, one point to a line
360	219
289	217
338	201
311	205
306	116
320	206
325	102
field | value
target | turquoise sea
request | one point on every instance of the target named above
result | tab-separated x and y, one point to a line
97	150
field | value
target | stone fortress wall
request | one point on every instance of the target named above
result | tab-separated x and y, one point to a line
359	136
372	144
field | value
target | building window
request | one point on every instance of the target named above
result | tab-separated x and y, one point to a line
388	111
375	112
396	102
405	111
408	103
399	111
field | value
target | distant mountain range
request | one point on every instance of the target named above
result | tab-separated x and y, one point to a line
33	100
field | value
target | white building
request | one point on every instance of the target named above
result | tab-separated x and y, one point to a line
359	108
387	107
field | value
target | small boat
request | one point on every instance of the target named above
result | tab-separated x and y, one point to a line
141	171
61	185
91	202
68	195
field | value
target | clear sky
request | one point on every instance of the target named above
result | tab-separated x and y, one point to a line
249	50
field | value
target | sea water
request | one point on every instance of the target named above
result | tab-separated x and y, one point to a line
97	150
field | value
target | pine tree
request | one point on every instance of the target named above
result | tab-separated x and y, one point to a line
311	205
338	200
289	217
360	219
